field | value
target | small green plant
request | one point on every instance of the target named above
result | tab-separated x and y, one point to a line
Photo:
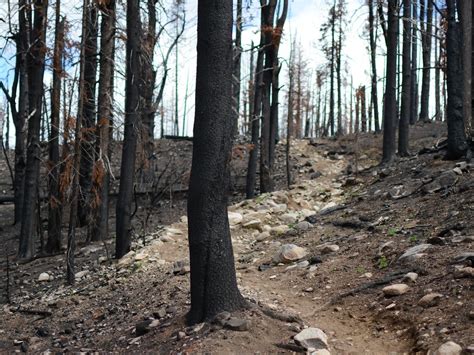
261	198
391	232
383	262
360	270
292	225
413	239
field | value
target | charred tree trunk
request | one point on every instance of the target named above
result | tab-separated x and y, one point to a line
213	281
256	117
236	66
19	119
438	113
88	112
35	61
132	119
457	144
101	181
333	59
466	22
373	62
414	68
363	114
53	244
404	123
426	45
340	131
390	107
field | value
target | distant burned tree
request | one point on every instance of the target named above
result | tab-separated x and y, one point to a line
406	82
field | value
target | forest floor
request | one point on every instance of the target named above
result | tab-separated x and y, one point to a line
354	228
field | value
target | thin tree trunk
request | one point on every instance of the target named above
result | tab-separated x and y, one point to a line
403	131
390	107
333	46
339	80
438	114
363	109
466	22
101	181
457	144
213	281
414	67
53	244
373	61
132	119
425	86
237	55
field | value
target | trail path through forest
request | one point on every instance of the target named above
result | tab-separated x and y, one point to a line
322	250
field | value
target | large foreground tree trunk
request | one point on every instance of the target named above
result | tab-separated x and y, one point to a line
213	281
132	118
457	144
390	106
35	60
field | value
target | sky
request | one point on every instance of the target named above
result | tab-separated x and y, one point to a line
304	21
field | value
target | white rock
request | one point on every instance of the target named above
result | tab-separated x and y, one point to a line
278	230
262	236
79	275
141	256
253	224
395	290
449	348
166	238
44	276
430	300
312	351
174	231
331	248
289	253
235	218
411	276
303	226
414	253
312	338
289	218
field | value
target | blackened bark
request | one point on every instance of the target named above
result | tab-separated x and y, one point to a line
457	144
132	119
19	119
236	66
426	45
466	22
255	120
390	106
363	113
340	131
99	230
414	68
438	114
332	64
213	281
35	60
403	129
89	112
53	245
373	62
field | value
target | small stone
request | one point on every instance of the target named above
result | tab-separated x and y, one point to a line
328	249
313	338
395	290
253	224
166	238
289	218
411	276
235	218
141	256
161	313
462	272
289	253
318	352
237	324
449	348
181	267
414	253
181	335
303	226
143	327
303	264
430	300
221	318
457	170
79	275
279	230
262	236
44	276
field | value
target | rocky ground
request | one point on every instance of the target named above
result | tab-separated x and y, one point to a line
353	258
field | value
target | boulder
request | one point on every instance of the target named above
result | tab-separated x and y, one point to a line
395	290
289	253
312	338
